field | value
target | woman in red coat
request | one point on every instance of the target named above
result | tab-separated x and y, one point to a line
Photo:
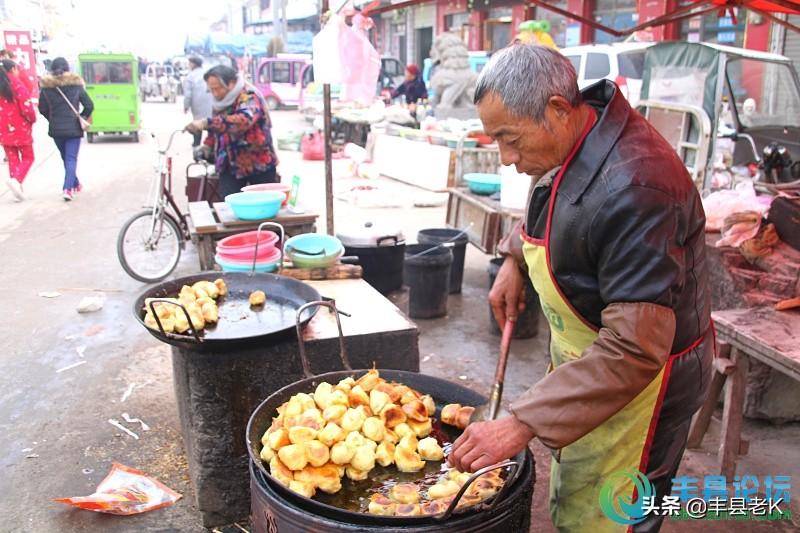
16	120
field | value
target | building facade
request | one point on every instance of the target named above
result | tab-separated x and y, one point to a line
488	25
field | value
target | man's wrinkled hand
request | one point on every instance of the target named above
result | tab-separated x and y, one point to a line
507	295
196	126
486	443
202	153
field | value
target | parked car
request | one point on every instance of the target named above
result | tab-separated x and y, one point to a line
621	63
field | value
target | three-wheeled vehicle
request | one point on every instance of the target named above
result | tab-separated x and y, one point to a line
701	96
159	81
112	83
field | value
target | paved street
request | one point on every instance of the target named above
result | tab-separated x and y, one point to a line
55	439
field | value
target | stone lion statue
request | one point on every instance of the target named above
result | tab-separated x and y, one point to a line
452	80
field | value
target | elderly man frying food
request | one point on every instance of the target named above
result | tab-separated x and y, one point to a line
613	242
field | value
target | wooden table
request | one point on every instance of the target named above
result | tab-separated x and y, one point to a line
208	224
772	338
488	221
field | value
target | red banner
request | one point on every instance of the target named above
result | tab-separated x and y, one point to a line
19	44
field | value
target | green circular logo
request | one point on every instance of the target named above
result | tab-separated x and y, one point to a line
622	509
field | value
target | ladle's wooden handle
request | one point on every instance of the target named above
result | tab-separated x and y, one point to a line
505	344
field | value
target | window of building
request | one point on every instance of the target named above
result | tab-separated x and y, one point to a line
458	23
617	14
711	28
597	66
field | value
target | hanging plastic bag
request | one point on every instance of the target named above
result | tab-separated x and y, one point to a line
325	46
313	146
125	491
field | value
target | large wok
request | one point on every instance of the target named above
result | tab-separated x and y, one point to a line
443	393
239	325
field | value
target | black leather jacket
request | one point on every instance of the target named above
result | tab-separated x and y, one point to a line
628	223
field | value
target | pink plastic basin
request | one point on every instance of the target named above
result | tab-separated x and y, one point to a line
272	255
281	187
241	247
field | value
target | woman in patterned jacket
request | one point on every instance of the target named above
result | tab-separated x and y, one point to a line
239	132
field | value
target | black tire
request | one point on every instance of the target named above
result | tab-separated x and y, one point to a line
135	137
168	230
90	137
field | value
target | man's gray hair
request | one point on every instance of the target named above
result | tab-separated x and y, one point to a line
525	77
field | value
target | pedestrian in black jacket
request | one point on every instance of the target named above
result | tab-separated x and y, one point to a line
61	98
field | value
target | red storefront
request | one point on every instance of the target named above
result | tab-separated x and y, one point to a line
484	24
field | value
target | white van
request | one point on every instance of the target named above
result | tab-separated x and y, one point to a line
621	63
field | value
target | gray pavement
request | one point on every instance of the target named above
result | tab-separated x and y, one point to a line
55	439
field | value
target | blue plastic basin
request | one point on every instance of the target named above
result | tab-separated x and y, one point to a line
255	205
483	183
322	250
228	266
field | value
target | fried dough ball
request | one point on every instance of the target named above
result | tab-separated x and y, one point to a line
293	456
280	471
407	460
317	453
443	489
408	395
294	407
342	453
429	404
468	500
302	488
384	454
363	459
381	505
353	419
210	313
374	429
200	292
391	436
429	450
267	454
257	298
355	439
392	415
369	380
405	493
378	400
403	429
221	286
411	509
416	410
484	488
334	413
356	475
409	442
326	478
330	434
421	429
357	396
346	384
433	508
187	295
167	323
322	395
278	439
301	434
454	414
339	397
392	389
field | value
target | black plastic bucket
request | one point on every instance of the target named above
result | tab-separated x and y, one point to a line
428	279
528	322
459	241
383	265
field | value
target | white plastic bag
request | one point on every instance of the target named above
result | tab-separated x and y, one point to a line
721	204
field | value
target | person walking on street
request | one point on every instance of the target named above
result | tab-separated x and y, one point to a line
196	97
12	69
16	124
61	94
239	132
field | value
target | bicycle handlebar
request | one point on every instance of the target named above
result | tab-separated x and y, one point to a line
171	138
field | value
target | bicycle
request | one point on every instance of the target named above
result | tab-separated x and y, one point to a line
150	243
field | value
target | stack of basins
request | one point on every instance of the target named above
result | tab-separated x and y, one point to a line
236	253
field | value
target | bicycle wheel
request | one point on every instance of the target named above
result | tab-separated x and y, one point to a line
149	250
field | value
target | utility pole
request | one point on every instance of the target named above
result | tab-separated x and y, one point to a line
326	116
